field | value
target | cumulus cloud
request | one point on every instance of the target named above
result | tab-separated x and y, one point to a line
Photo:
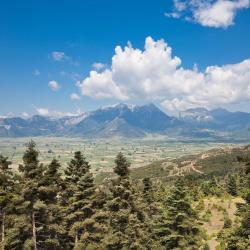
154	74
74	96
54	85
210	13
59	56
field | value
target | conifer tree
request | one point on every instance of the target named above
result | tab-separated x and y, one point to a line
95	227
37	218
239	239
148	190
22	233
6	194
32	176
80	206
121	166
126	220
82	217
34	226
77	167
232	185
152	209
180	229
52	232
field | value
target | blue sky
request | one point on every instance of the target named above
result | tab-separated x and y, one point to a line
59	41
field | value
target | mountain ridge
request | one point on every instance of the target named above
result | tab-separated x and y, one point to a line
125	120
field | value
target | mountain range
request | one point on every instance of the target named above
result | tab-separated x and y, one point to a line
132	121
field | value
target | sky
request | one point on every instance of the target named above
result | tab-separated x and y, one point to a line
64	57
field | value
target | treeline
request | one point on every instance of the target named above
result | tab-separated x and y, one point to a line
46	207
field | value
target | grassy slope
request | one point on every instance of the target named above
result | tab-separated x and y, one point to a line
213	162
218	208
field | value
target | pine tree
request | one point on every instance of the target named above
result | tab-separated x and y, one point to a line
148	190
232	185
23	231
179	229
32	176
82	217
30	209
77	167
38	221
6	194
80	206
147	202
121	166
51	232
126	221
93	224
239	239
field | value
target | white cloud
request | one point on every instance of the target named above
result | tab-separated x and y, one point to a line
54	113
219	14
25	115
173	15
74	96
211	13
180	5
43	111
99	66
101	85
59	56
8	115
154	74
54	85
36	72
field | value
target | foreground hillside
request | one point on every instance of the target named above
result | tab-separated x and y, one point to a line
193	202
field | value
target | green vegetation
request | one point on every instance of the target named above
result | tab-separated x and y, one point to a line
183	203
101	153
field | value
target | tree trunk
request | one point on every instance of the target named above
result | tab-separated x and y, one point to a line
3	227
34	230
76	238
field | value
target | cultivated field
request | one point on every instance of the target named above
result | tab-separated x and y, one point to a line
101	153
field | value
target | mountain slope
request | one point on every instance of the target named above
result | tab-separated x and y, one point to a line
219	119
131	121
124	120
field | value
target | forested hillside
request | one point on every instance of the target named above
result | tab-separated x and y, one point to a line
44	206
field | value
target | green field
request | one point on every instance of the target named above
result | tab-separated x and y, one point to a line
101	153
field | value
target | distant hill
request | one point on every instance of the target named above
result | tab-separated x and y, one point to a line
219	119
132	121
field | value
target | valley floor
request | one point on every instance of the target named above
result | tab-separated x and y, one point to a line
101	153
